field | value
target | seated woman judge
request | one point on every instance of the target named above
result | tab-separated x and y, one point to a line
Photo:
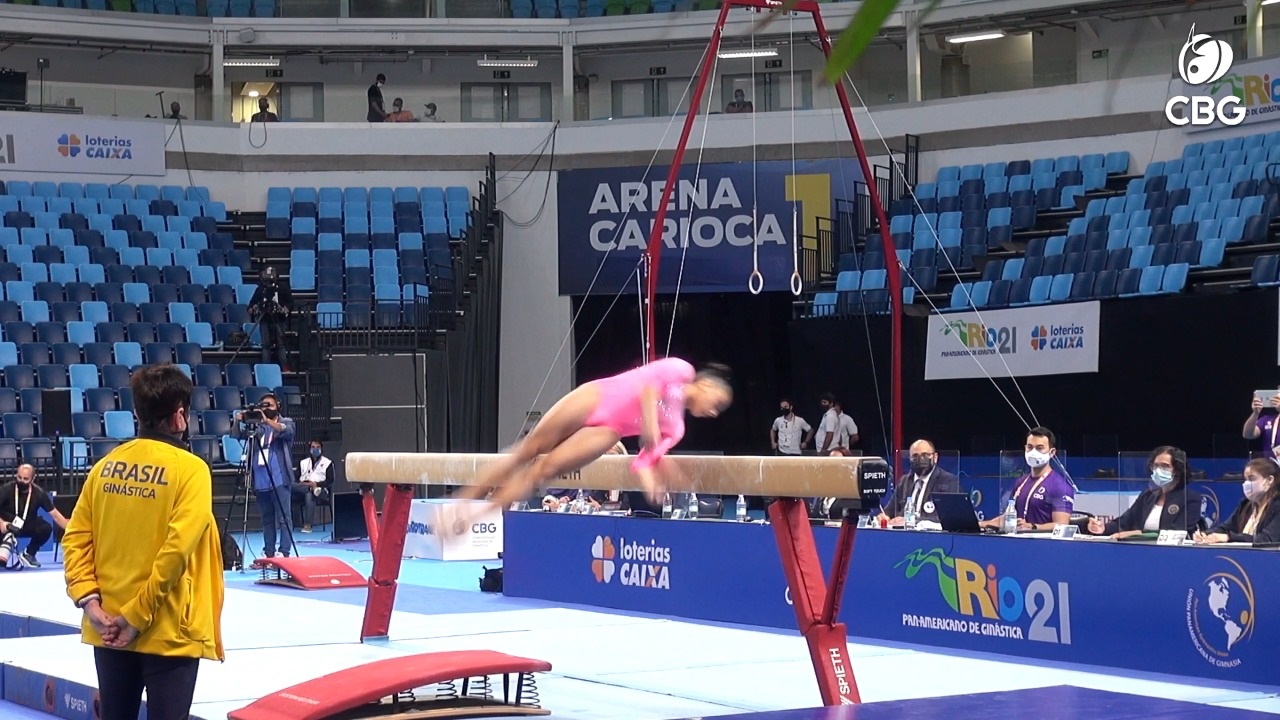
1166	504
1257	517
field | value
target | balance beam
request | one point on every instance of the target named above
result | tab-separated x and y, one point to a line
864	481
802	476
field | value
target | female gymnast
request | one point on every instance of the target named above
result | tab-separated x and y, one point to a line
649	401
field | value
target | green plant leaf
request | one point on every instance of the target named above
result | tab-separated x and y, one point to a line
862	29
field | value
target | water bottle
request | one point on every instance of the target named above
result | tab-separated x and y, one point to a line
910	516
1011	518
666	505
693	506
580	502
742	509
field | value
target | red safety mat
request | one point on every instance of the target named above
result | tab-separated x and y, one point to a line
311	573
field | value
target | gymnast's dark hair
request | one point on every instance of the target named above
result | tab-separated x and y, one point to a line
716	372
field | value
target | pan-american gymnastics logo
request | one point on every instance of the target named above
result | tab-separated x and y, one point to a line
985	603
1221	614
646	566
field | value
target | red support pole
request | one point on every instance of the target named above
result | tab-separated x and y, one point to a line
654	251
895	277
388	550
370	504
828	641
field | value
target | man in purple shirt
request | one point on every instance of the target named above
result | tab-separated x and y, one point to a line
1043	497
1264	426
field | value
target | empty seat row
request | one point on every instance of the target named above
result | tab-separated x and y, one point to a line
101	191
1105	284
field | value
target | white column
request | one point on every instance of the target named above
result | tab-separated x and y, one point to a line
1254	31
914	92
344	8
566	78
218	72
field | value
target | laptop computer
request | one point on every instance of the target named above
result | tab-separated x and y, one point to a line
956	513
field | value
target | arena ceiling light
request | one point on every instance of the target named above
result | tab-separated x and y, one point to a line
737	54
487	61
251	62
975	37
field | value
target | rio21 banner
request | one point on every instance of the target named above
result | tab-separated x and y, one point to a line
1019	342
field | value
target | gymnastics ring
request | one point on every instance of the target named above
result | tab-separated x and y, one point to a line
756	282
797	284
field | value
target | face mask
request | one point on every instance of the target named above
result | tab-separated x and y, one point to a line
921	466
315	452
1161	477
1253	489
1037	459
785	410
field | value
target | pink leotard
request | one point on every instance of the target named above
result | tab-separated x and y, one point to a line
619	405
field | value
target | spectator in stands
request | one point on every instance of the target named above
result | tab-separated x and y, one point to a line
1257	517
918	487
1043	497
790	433
144	559
377	111
314	481
740	103
270	306
1166	505
430	114
175	112
1266	427
271	473
264	113
399	114
20	503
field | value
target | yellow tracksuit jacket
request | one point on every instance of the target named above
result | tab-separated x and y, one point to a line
143	536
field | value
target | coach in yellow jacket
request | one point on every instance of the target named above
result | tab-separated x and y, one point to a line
144	559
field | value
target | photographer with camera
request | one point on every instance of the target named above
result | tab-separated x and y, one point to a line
269	307
268	436
22	518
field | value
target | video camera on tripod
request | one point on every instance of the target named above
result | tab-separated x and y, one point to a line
257	412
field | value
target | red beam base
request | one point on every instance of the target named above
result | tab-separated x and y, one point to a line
815	609
386	540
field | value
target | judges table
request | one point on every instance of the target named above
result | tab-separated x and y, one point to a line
1138	606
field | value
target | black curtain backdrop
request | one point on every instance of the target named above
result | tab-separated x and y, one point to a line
747	332
1177	370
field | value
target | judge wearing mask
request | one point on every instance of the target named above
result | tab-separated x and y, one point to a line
314	481
916	490
1043	497
790	433
1257	517
1166	504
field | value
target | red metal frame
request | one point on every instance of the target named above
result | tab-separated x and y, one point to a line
654	251
816	605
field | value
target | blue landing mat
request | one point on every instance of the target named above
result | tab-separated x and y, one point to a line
1052	703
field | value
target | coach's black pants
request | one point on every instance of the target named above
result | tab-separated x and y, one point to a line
170	683
38	530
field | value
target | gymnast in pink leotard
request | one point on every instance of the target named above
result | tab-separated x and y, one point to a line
649	401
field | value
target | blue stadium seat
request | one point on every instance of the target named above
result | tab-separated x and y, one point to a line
1175	278
227	397
118	424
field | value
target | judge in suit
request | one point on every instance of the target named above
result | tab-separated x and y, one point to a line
1166	505
1257	517
918	488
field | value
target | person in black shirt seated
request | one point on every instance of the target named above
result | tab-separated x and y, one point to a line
1257	517
20	503
1166	505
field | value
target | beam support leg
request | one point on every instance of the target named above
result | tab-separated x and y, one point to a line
387	543
814	604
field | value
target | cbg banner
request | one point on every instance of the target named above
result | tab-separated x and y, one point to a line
606	216
67	144
1040	340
